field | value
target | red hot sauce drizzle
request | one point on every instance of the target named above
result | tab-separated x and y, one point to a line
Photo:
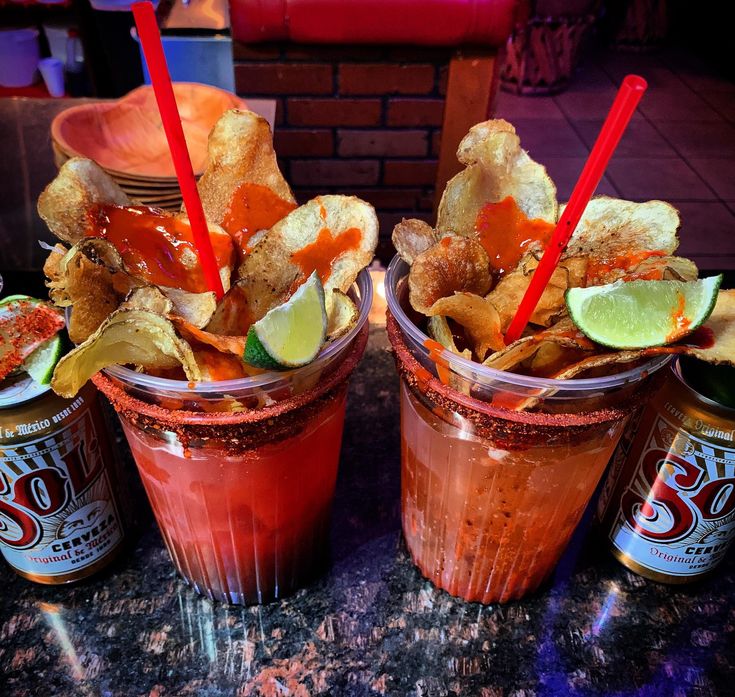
156	246
253	207
507	233
435	354
321	254
597	268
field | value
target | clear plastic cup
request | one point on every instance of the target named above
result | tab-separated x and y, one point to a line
491	495
241	473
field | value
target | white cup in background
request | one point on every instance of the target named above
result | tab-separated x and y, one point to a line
52	71
19	55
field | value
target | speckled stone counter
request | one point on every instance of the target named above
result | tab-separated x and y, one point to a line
372	626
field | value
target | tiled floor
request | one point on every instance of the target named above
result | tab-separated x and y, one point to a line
680	146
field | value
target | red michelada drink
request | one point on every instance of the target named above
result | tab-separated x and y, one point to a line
503	444
234	407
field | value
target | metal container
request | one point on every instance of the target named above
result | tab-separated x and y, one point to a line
668	505
60	520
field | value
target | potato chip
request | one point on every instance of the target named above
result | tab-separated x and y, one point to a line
654	268
342	314
195	308
552	358
513	355
440	331
127	337
66	202
412	237
232	316
452	264
90	291
612	229
333	235
226	344
507	295
240	150
496	167
564	333
721	324
479	318
148	298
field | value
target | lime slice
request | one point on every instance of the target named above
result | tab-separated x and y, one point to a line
291	334
41	363
639	314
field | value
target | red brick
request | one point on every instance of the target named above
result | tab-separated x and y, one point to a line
409	173
390	199
301	143
415	112
385	78
334	112
255	52
384	142
436	139
334	172
283	78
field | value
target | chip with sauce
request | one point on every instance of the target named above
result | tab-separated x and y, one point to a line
506	204
133	279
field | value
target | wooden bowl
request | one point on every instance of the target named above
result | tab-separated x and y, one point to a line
126	138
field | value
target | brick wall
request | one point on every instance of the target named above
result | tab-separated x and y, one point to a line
359	120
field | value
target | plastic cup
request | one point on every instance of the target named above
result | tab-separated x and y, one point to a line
490	496
240	474
52	72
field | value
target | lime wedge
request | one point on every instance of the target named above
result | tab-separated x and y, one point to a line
41	363
13	298
291	334
639	314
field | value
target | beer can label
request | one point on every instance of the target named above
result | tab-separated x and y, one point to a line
677	515
57	512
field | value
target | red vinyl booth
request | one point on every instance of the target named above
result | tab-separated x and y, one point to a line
478	28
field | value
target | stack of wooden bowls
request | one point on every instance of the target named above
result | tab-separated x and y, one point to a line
126	138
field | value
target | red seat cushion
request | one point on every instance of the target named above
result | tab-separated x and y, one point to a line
424	22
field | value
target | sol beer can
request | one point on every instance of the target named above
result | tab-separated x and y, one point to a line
59	519
668	504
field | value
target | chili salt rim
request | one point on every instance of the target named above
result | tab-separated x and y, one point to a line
519	428
163	417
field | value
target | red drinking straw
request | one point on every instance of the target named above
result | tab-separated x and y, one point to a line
626	101
150	40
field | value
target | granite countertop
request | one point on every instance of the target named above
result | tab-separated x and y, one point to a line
372	626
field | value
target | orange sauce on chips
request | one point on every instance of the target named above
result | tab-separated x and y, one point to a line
321	254
506	233
435	354
253	207
219	366
156	246
625	262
